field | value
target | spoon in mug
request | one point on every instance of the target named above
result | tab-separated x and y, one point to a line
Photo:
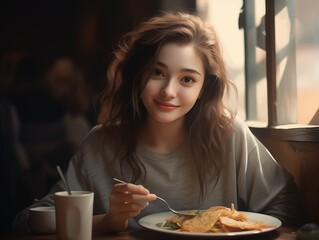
187	214
64	180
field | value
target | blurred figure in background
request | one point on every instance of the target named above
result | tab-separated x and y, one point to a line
14	165
49	95
67	86
13	160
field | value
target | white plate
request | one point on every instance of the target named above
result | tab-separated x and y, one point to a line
150	222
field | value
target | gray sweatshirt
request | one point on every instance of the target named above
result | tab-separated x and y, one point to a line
251	178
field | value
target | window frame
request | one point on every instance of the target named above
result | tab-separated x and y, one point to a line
273	130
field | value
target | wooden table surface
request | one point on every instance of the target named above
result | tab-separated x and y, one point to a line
282	233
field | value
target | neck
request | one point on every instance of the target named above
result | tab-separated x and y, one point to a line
163	137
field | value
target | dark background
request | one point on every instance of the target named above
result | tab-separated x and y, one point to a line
83	29
87	30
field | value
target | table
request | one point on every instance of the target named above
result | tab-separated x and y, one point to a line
282	233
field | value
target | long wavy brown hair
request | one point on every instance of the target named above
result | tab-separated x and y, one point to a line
208	122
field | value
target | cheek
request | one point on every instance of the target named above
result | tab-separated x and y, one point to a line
190	96
150	88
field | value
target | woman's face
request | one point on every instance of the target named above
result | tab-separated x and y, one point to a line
175	83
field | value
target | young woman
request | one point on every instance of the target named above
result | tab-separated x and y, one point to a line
166	131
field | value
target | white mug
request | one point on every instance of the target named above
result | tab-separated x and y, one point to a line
42	219
74	215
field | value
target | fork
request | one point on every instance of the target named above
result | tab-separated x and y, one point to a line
180	213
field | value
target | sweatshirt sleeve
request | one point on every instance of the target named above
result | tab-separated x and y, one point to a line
263	185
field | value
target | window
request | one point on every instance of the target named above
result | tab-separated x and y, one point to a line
241	27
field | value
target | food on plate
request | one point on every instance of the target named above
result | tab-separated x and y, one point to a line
215	219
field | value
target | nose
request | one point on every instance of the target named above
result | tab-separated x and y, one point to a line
168	90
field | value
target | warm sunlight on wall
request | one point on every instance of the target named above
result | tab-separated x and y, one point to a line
308	82
307	58
223	16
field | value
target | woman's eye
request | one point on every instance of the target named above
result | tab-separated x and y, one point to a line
188	80
158	72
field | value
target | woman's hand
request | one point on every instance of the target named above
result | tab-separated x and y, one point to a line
127	200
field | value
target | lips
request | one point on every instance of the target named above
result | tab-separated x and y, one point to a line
165	106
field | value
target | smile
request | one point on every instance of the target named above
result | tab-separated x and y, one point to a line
165	106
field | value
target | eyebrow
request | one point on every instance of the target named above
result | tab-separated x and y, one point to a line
183	69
